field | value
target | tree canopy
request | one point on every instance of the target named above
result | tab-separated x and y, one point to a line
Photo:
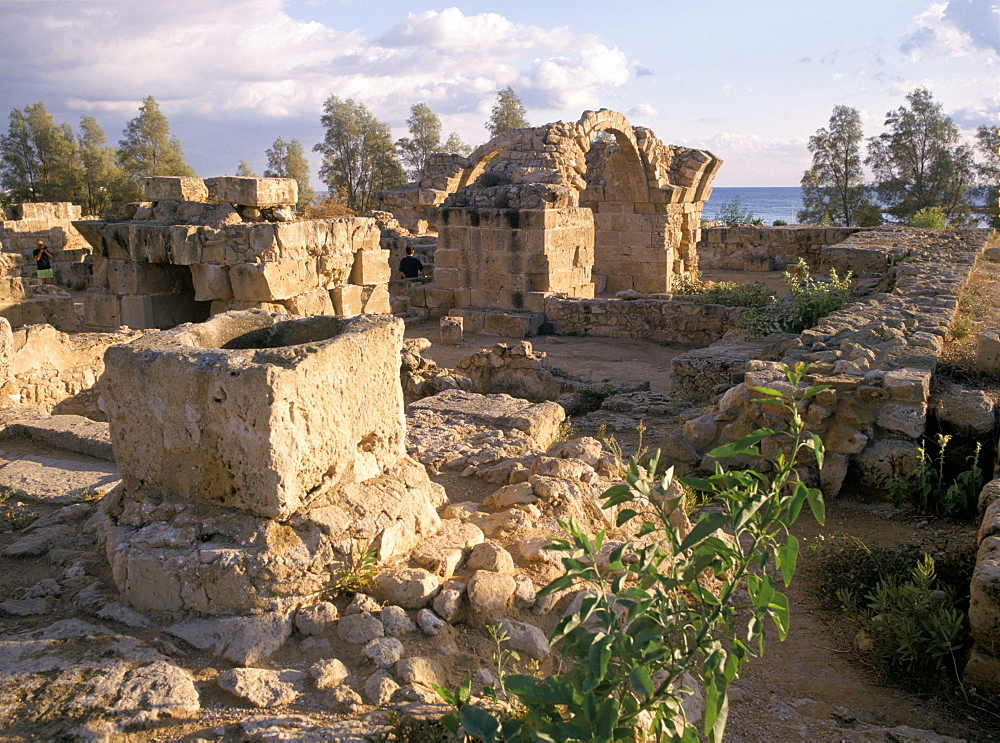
833	189
358	153
920	161
508	113
288	160
148	148
38	158
988	145
425	139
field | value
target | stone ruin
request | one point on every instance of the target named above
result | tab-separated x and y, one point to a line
556	209
198	248
259	454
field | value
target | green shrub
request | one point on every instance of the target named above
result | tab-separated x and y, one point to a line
846	569
933	489
779	223
913	626
732	294
732	213
930	217
810	300
647	620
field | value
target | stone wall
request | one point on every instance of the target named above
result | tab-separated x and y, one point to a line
57	372
664	320
29	302
181	260
983	667
52	223
765	248
876	356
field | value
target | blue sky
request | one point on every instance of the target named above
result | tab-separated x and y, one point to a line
748	80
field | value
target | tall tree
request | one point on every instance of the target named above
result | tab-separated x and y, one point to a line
456	145
245	170
358	153
833	189
920	161
148	149
103	186
508	113
988	145
425	139
288	160
38	158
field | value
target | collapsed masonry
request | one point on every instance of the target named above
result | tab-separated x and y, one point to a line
558	209
251	472
198	248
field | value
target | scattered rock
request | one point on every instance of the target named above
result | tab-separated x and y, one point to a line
492	557
489	592
328	673
343	698
384	651
258	686
417	670
379	688
430	622
242	640
395	622
362	602
360	628
411	588
316	619
526	638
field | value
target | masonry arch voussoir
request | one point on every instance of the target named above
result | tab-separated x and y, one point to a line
510	139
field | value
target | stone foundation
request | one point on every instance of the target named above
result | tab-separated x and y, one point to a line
983	667
258	452
52	223
766	248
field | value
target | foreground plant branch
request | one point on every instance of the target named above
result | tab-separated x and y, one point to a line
660	611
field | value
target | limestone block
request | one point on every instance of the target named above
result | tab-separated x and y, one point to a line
160	310
253	191
908	420
310	303
102	310
149	243
984	599
982	670
334	268
988	351
371	267
965	412
47	210
347	300
130	277
170	188
375	300
210	282
267	282
512	324
11	288
451	331
185	244
884	459
908	385
250	410
854	259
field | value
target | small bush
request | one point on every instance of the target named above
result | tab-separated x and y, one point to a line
732	213
934	489
779	223
731	294
913	626
930	217
810	300
847	569
331	206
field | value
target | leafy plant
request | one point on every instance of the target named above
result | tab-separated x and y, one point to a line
930	217
359	574
650	616
732	213
731	294
847	569
914	626
503	657
809	300
933	489
779	223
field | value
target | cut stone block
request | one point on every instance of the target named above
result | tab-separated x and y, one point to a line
102	310
267	282
172	188
129	277
988	351
253	191
371	267
347	300
210	282
451	331
376	300
311	303
144	311
250	410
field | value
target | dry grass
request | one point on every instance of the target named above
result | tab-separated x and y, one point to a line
330	206
978	310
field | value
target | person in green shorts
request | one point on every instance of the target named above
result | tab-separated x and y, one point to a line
43	262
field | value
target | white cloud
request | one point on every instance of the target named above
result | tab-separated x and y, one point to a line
954	29
643	110
575	81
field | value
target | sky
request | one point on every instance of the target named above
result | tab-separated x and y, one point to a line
749	80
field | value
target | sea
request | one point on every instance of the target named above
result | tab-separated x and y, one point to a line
766	203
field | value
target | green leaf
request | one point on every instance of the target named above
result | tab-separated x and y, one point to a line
697	483
768	391
818	448
779	613
626	515
641	682
479	723
786	557
616	494
815	390
816	505
706	524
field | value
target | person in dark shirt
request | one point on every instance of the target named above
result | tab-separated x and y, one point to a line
43	262
410	266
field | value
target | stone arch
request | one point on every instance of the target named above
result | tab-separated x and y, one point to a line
511	139
624	133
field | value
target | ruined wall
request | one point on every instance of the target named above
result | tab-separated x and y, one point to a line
766	248
876	355
29	302
52	223
239	247
983	667
658	320
57	372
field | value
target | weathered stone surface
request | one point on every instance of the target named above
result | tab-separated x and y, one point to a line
410	588
360	628
242	640
316	619
965	412
489	592
430	622
384	652
258	686
417	670
379	687
491	557
253	191
328	673
526	638
396	622
174	188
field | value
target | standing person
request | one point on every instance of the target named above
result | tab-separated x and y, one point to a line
43	262
410	266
